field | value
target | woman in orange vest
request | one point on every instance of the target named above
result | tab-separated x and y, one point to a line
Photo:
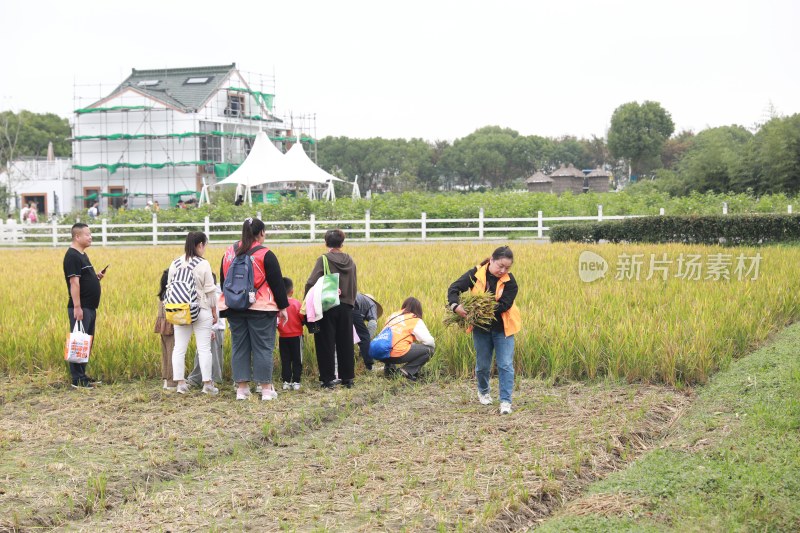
493	276
408	327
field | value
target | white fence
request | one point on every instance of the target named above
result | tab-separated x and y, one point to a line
366	229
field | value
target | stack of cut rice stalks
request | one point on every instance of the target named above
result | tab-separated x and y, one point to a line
479	307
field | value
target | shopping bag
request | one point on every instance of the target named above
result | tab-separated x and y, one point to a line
79	344
330	287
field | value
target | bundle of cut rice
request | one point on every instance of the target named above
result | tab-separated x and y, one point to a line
479	307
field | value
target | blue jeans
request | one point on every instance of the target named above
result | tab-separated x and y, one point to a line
252	344
485	342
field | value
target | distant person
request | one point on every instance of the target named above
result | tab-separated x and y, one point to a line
290	341
94	211
83	286
23	214
193	259
239	200
167	333
124	205
181	205
33	213
334	341
492	275
149	205
156	207
412	343
366	312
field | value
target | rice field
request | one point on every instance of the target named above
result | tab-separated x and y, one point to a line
674	331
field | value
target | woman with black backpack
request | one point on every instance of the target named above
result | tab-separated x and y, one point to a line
252	296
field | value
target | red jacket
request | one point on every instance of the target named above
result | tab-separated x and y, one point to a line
294	326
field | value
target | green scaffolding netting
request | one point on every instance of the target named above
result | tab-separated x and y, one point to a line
138	136
92	196
114	108
264	97
113	194
221	170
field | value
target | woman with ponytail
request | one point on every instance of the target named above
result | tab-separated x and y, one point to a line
253	329
493	276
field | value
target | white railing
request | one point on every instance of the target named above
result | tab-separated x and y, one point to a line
366	229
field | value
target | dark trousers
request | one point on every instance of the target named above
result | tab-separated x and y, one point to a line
335	339
414	358
291	358
78	370
363	335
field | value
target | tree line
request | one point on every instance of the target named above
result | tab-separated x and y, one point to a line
641	143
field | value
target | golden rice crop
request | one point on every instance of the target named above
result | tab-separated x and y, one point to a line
673	331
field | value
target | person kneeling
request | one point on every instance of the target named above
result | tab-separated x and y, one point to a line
412	343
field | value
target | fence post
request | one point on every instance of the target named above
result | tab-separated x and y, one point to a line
208	228
55	233
661	211
540	224
480	224
724	208
790	209
599	213
424	225
258	215
312	226
367	224
155	229
105	231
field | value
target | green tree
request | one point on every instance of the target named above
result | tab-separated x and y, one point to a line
28	134
774	158
638	132
715	161
674	149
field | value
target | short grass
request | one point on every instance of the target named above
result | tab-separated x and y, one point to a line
731	464
385	455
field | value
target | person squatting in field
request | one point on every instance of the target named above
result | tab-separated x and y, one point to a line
492	275
412	343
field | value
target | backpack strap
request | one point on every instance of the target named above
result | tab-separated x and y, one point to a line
252	251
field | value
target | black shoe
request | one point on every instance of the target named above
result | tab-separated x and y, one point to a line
389	371
347	383
81	385
410	377
328	384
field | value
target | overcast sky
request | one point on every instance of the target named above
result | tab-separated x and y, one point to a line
431	69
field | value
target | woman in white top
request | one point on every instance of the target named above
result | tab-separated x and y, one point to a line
412	343
205	288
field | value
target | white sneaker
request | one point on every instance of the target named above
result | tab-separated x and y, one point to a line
505	408
242	394
210	390
182	388
269	394
296	386
485	399
287	385
258	389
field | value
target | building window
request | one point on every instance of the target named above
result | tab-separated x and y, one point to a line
148	83
198	81
235	106
210	145
116	201
94	193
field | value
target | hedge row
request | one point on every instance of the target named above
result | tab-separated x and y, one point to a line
714	229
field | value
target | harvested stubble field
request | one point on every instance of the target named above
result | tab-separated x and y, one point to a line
386	455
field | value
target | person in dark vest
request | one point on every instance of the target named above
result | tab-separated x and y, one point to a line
253	329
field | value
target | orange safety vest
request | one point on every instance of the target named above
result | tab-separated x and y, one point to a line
265	301
512	321
402	336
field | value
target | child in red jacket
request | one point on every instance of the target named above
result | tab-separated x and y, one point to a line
290	342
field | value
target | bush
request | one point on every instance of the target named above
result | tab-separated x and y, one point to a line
715	229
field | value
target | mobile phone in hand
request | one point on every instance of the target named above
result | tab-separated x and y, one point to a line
105	268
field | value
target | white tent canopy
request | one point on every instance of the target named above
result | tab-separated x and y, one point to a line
266	164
